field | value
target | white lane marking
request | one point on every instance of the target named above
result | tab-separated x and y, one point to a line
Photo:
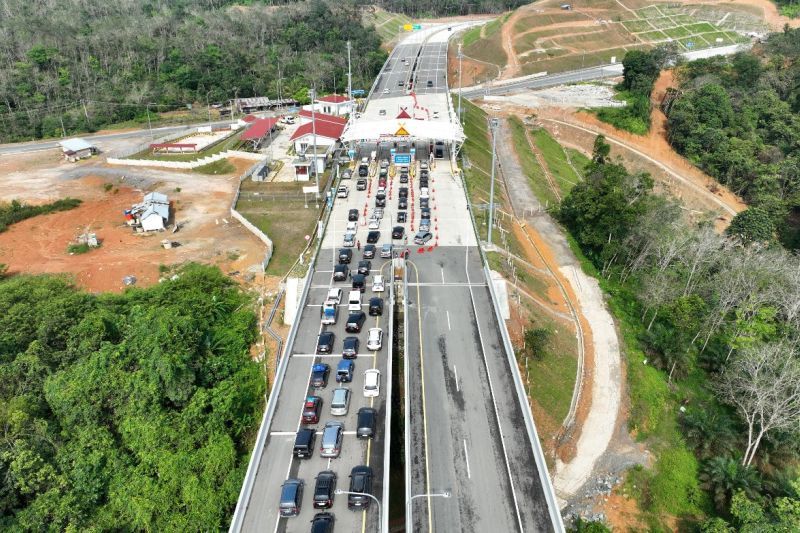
455	370
442	275
448	320
466	456
491	392
329	463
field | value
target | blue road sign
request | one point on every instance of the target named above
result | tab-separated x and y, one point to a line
402	159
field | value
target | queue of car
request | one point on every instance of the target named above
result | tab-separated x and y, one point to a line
332	435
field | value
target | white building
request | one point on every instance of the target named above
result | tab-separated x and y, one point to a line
333	104
152	214
76	149
327	137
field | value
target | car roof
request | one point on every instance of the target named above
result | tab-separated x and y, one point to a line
355	314
361	469
350	340
320	367
344	363
325	335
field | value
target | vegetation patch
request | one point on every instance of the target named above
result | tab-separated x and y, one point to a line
563	170
15	211
223	166
130	411
530	166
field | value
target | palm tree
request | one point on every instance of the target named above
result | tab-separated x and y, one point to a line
723	476
710	431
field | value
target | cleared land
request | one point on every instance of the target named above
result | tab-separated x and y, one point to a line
545	38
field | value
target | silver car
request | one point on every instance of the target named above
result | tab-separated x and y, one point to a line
332	440
386	251
349	239
340	402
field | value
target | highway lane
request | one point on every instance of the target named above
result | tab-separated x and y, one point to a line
466	426
431	67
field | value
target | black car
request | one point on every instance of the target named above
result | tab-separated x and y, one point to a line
365	427
361	185
291	497
323	489
363	171
369	251
319	375
345	255
325	342
425	213
352	215
375	306
359	282
360	481
304	443
424	203
340	272
423	174
322	523
403	177
430	83
403	192
354	322
350	348
364	266
402	203
373	237
398	232
402	217
423	183
380	200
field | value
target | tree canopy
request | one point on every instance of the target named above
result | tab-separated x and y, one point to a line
125	412
737	119
119	58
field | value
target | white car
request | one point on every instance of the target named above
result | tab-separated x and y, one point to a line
374	223
377	283
381	190
354	301
334	296
375	339
352	226
372	383
349	239
342	191
423	193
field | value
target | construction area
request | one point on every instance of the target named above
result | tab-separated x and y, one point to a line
549	37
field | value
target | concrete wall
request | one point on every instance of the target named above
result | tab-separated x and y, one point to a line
185	164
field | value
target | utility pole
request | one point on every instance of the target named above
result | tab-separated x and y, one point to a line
494	125
85	113
349	75
459	81
149	125
314	134
208	106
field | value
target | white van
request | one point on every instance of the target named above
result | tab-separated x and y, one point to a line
423	192
354	301
377	283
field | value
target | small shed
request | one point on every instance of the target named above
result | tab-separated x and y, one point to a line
77	149
151	220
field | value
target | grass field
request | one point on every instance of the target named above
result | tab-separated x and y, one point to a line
388	25
557	163
279	211
535	173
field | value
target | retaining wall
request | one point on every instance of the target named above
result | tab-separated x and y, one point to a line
185	164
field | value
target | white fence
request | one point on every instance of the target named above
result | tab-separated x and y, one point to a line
185	164
246	223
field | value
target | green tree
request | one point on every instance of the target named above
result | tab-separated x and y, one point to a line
724	476
752	225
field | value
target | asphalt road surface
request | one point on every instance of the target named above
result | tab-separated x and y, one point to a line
550	80
467	429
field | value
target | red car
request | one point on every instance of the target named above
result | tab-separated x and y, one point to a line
311	410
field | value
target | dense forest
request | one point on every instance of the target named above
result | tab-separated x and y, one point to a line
125	412
71	66
737	119
715	389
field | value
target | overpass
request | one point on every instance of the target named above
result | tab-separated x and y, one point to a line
468	430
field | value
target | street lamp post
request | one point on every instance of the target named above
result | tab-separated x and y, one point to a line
494	125
313	95
459	81
208	106
409	523
340	491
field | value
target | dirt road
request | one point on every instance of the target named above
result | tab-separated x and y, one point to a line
599	404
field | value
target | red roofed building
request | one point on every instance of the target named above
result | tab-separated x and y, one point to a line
259	129
305	117
327	136
333	104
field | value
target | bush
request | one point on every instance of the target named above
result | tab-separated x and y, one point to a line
17	212
74	249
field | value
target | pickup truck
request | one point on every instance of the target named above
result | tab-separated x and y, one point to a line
329	312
